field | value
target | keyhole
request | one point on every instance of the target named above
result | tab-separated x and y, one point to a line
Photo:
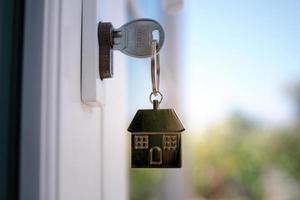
155	35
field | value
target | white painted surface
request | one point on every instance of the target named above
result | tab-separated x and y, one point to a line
79	129
92	140
115	154
81	149
92	91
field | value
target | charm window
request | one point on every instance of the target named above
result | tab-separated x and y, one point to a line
141	142
170	142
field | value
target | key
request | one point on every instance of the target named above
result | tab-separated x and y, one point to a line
134	38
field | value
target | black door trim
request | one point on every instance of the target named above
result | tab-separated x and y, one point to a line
11	54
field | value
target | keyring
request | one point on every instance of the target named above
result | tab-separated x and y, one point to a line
152	95
155	67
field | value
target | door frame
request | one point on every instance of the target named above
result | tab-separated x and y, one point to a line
39	178
46	139
11	40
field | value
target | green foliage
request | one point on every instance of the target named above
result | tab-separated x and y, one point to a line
225	162
145	184
229	161
294	92
285	151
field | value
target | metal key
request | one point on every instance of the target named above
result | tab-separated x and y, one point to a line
134	38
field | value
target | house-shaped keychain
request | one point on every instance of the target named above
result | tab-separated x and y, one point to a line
156	139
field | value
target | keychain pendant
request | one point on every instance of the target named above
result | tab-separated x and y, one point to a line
156	139
156	133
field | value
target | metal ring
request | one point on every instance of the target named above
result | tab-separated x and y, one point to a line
155	67
156	94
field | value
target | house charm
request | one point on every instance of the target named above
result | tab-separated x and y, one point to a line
156	139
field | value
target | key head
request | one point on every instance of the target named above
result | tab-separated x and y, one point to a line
134	38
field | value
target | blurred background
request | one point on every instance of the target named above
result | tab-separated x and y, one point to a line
231	70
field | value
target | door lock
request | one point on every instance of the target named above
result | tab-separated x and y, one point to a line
133	39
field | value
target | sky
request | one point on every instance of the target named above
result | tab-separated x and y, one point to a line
240	56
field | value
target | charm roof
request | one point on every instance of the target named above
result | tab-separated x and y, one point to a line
160	120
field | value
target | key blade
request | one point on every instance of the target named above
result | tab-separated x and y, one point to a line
134	38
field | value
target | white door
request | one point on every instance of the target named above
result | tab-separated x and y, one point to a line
70	150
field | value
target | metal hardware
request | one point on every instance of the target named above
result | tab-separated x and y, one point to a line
133	39
156	96
105	50
155	67
162	128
